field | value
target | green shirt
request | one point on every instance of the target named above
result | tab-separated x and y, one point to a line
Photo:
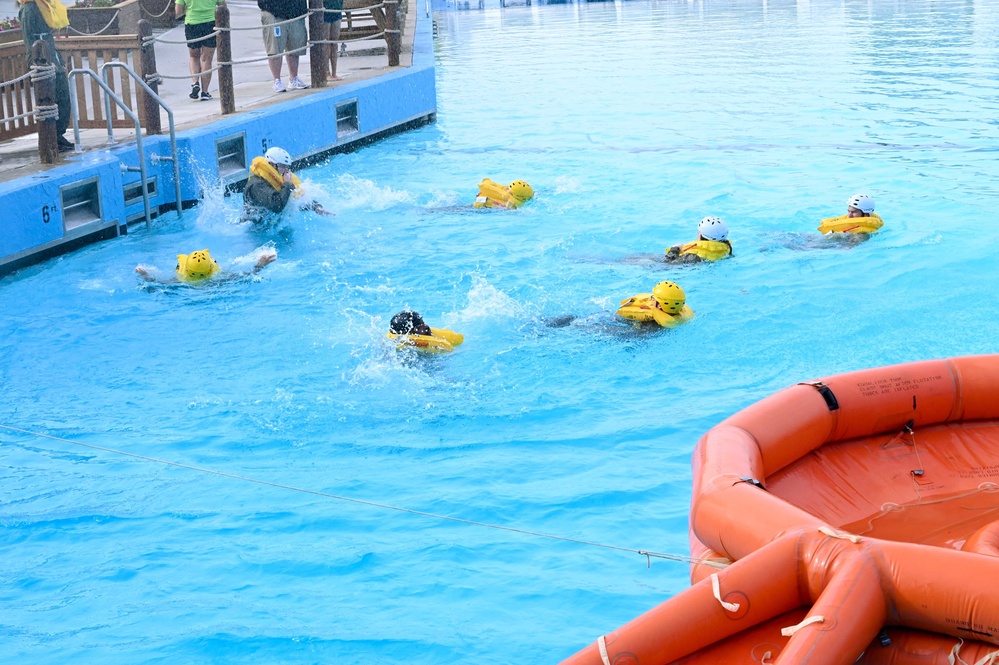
199	11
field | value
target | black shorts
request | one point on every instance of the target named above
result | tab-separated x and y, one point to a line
197	31
332	17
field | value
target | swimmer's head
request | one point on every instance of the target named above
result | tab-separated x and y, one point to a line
521	190
670	297
860	203
278	157
408	322
196	265
712	228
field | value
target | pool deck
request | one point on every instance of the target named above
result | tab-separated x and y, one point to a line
96	192
364	60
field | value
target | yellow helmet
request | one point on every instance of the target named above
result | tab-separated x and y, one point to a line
521	190
670	296
196	265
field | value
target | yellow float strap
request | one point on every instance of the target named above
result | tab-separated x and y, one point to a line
709	250
262	168
847	224
494	195
441	341
642	307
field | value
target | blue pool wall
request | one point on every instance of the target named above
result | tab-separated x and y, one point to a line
32	224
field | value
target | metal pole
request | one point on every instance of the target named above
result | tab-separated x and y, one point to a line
127	111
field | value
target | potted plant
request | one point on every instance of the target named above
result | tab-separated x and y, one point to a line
104	17
10	30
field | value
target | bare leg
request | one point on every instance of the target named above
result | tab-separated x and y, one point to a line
194	63
207	55
274	62
334	34
292	66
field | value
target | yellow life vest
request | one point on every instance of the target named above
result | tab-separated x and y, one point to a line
494	195
200	262
262	168
643	308
709	250
441	341
53	11
847	224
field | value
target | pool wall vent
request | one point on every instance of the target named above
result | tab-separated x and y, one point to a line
230	156
133	191
347	120
80	203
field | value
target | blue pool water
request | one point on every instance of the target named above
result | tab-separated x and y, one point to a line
632	120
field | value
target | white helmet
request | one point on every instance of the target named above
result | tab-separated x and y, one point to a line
861	202
278	156
712	228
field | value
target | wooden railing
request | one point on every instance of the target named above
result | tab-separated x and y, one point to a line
76	52
362	18
15	99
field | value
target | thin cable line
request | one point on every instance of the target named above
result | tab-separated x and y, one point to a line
375	504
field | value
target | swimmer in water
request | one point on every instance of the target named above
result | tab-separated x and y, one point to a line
199	267
270	186
712	244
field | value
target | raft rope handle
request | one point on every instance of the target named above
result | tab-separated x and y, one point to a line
602	645
765	660
852	537
646	553
716	590
791	630
954	657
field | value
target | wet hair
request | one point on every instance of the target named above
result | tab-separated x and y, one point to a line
404	322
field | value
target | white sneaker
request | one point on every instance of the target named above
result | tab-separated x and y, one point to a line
297	84
279	86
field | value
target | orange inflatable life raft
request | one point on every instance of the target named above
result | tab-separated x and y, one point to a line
854	519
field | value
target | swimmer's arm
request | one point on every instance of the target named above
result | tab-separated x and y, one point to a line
264	259
143	272
318	208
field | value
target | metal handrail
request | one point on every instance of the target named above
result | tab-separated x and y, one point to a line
127	111
169	112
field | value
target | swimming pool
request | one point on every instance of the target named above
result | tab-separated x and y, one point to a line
632	120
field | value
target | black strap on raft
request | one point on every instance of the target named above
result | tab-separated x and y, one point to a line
752	481
825	391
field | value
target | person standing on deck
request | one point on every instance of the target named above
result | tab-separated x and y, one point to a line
331	29
281	38
38	19
199	26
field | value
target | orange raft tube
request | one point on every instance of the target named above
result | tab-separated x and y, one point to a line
853	519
